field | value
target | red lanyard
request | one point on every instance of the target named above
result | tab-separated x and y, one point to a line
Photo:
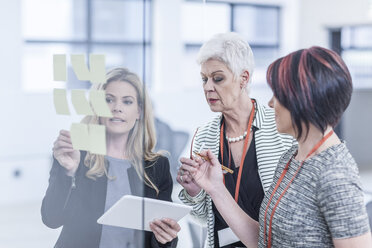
316	147
244	151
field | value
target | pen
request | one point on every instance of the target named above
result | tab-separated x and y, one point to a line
207	159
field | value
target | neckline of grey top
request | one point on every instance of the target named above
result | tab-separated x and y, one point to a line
113	236
327	153
109	158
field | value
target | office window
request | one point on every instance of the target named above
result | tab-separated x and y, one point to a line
356	46
115	20
260	27
258	24
111	27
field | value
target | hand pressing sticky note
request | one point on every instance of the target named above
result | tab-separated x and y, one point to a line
97	139
80	136
98	101
80	103
60	102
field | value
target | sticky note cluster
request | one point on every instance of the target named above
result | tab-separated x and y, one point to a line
97	105
96	74
84	137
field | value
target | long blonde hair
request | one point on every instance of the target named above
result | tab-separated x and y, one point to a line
141	139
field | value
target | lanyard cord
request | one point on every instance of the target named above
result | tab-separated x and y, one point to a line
244	150
316	147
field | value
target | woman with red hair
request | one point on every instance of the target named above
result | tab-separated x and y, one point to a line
316	199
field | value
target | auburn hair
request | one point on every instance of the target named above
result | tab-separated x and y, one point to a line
314	84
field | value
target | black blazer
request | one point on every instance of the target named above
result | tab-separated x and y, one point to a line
77	203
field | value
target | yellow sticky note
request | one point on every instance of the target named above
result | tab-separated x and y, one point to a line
59	67
80	136
97	139
80	103
79	65
98	101
96	74
97	68
60	102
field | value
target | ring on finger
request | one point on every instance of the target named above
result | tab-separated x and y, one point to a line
181	178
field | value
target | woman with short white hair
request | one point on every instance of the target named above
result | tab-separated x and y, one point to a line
243	138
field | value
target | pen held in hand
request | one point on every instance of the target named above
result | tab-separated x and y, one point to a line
207	159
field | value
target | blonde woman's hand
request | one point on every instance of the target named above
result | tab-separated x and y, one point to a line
64	153
165	230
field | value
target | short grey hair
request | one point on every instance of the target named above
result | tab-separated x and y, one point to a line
232	50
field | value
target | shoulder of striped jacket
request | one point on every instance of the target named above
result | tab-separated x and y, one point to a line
211	125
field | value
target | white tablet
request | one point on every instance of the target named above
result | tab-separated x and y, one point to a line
128	212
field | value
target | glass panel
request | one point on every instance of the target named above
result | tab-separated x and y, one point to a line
54	19
257	24
128	56
37	67
120	20
200	22
191	73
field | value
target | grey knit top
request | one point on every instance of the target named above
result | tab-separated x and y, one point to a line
324	201
118	186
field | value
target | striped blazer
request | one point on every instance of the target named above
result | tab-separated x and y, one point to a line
270	145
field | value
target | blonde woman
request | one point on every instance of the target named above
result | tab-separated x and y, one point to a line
82	186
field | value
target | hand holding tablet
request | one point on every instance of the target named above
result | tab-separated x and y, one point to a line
137	212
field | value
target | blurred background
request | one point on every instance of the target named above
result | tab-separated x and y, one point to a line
159	40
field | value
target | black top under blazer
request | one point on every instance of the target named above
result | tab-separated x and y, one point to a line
76	203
